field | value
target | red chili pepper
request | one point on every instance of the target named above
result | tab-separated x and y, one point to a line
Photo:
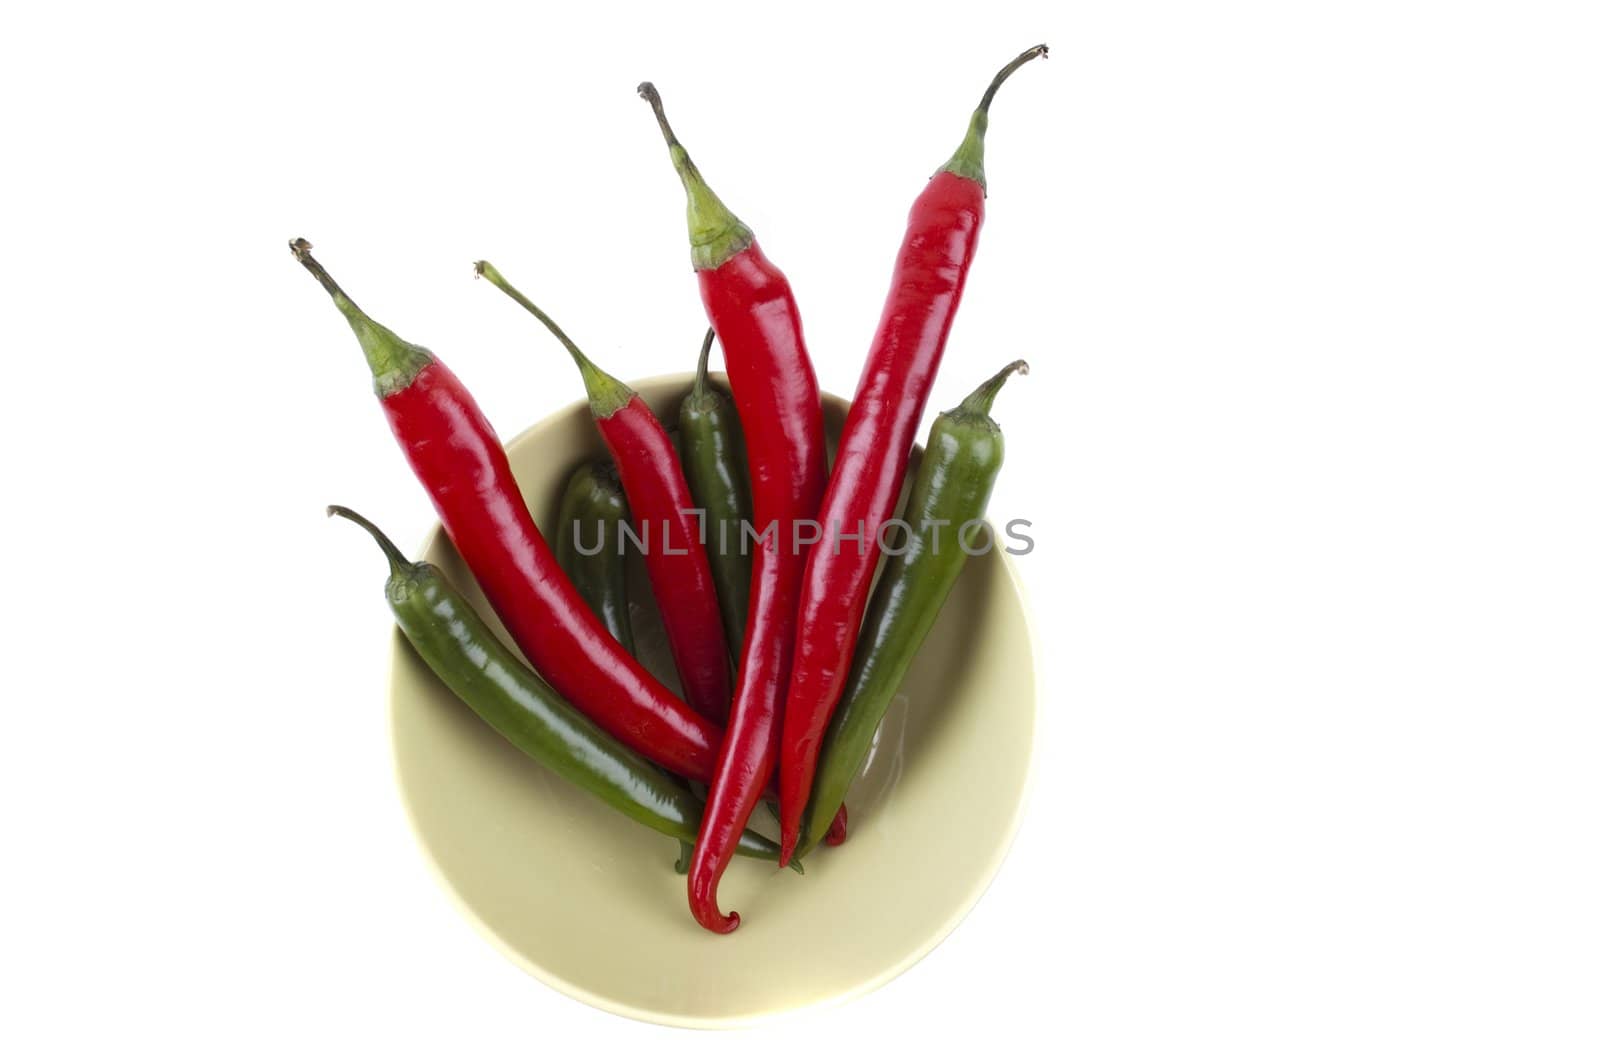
753	311
658	495
458	458
836	830
870	466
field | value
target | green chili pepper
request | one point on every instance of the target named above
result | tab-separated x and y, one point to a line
593	512
712	448
462	651
588	545
951	490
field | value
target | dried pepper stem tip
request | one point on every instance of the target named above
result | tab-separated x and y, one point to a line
647	91
300	248
1038	51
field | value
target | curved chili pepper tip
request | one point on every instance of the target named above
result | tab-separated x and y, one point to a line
967	162
709	914
607	395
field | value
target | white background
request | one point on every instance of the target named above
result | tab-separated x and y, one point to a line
1310	443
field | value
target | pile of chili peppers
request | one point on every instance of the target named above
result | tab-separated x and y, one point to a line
787	653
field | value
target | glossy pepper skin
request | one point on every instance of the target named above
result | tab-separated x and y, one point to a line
658	495
712	448
952	487
593	497
458	458
592	515
753	311
869	468
456	644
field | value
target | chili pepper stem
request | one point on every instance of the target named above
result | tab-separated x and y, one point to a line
394	362
968	160
702	384
399	564
715	233
607	395
979	403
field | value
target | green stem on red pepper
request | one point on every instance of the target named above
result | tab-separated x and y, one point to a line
751	305
658	496
925	289
459	460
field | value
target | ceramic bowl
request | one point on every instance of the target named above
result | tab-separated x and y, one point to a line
588	901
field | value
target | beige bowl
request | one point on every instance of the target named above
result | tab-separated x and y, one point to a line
587	900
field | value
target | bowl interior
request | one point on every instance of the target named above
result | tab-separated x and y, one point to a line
588	901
